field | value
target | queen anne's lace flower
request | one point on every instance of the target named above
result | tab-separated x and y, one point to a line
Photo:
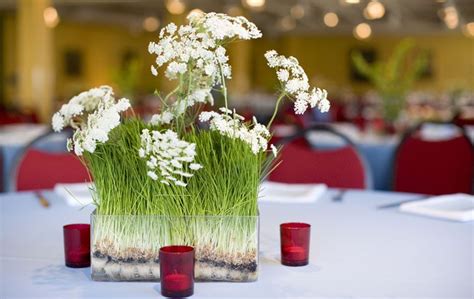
93	114
167	116
295	83
230	124
195	50
163	118
168	158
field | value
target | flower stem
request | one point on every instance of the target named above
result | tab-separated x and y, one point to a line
171	93
224	88
276	110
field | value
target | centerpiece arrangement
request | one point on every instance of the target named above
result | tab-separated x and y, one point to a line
187	177
395	77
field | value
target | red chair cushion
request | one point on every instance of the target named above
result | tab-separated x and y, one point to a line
338	168
434	167
42	170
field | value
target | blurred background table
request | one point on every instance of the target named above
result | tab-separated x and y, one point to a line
15	137
356	251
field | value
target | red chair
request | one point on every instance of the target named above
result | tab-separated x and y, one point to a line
434	167
37	169
460	121
341	167
14	117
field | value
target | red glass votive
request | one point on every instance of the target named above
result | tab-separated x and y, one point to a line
177	271
294	237
77	245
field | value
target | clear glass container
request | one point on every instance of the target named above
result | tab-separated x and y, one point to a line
126	248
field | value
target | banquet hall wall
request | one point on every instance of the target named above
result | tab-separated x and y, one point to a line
325	57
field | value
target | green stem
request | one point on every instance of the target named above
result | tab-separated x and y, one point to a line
276	109
171	93
224	88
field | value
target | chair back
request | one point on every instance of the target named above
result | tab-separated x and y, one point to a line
36	169
434	167
301	163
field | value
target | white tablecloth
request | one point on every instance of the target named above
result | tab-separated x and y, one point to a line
357	251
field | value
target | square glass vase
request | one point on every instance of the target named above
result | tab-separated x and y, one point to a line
126	248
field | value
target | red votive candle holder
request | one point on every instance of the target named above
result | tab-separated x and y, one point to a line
177	271
294	237
77	240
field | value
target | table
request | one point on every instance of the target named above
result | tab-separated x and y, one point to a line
357	251
14	139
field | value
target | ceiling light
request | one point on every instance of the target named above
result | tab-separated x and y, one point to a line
331	19
469	29
254	4
362	31
287	23
297	11
374	10
234	11
352	1
151	24
175	7
51	17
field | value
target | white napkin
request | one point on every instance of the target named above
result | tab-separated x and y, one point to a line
290	193
457	207
76	195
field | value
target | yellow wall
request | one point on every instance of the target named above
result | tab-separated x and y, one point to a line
101	48
9	55
325	58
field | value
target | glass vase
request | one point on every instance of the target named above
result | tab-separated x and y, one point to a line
126	248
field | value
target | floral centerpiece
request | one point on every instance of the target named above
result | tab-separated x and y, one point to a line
395	77
188	176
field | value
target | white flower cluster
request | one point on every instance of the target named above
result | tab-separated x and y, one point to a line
93	114
197	96
230	124
164	117
169	159
295	81
84	102
196	48
221	26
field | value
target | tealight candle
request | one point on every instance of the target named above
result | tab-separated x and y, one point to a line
177	271
177	282
295	243
77	245
296	253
